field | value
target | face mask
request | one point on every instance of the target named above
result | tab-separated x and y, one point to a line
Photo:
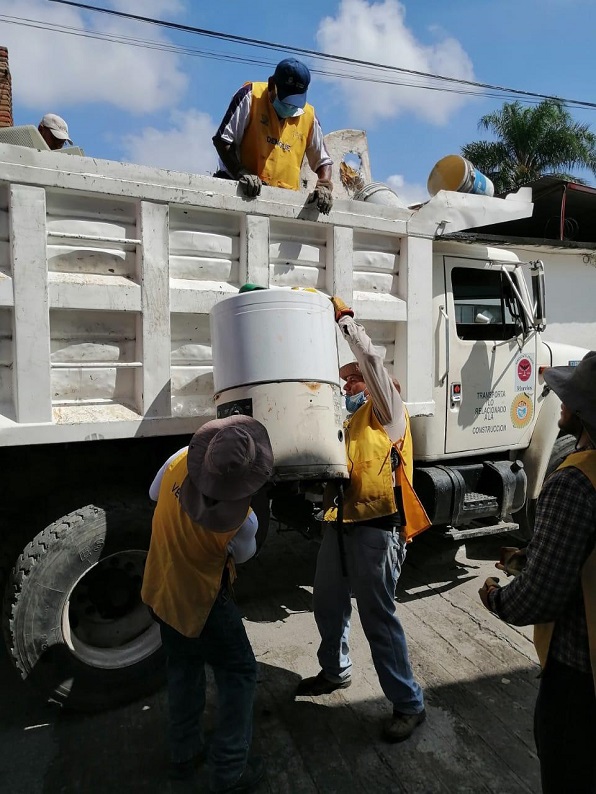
354	401
283	110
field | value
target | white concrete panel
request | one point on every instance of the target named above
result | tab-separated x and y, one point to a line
84	258
203	269
254	258
153	388
31	371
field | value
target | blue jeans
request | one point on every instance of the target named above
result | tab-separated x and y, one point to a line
374	558
224	646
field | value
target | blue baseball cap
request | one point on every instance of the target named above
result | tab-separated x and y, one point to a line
292	79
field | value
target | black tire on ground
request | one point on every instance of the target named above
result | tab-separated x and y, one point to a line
563	446
74	623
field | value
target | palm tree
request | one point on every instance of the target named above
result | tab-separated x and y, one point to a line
531	142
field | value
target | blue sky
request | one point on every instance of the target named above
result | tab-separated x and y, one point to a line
159	107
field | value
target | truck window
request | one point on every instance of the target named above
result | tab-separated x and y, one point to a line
485	307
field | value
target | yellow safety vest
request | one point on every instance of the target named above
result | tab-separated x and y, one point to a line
371	491
586	462
184	568
274	148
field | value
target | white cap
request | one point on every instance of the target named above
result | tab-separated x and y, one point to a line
57	126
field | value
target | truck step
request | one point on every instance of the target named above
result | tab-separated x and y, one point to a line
473	501
477	530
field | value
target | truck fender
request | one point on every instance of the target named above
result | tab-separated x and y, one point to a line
537	456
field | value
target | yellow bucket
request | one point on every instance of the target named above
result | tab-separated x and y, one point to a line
454	172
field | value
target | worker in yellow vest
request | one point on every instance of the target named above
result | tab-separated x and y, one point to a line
267	130
363	556
203	524
556	591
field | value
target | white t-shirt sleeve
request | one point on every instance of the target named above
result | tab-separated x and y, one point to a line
233	124
316	151
156	484
243	545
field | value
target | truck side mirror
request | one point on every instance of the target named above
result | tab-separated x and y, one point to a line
539	309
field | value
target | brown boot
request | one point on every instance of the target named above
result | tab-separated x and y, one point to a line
402	726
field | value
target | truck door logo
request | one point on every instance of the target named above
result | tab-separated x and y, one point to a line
524	369
524	372
522	411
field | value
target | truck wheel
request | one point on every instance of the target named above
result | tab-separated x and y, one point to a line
74	622
563	446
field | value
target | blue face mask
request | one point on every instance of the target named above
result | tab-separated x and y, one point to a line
283	110
354	401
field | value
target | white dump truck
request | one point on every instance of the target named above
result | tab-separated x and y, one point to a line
108	275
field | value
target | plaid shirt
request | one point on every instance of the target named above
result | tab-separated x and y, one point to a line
549	588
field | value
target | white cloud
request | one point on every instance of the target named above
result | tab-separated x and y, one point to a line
185	146
408	192
52	69
377	32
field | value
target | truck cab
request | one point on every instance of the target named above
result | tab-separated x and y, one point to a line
487	388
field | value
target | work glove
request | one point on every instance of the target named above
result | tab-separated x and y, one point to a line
250	184
322	196
341	309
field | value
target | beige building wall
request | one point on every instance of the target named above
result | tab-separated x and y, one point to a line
570	277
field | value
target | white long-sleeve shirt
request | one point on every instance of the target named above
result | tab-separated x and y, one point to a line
387	402
243	545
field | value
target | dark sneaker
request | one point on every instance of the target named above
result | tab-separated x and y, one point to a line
183	770
248	780
402	726
320	685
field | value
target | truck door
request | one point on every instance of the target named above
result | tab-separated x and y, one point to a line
491	373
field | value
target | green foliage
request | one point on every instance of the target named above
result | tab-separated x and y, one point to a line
531	142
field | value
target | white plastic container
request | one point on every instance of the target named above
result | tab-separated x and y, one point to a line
275	358
379	193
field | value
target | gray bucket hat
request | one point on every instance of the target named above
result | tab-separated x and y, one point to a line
576	388
228	461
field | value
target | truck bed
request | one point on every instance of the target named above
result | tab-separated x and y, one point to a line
108	272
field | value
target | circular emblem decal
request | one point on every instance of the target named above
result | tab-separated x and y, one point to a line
522	411
524	369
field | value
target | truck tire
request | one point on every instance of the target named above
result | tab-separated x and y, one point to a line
74	622
563	446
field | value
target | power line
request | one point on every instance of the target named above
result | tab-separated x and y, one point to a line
316	54
193	52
